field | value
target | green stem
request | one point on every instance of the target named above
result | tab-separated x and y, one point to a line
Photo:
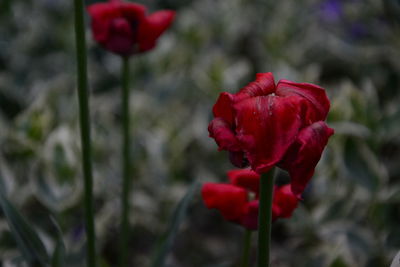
126	163
83	96
246	248
265	218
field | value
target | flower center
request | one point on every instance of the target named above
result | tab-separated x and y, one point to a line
126	28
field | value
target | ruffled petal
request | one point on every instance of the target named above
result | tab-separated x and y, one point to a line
223	108
221	131
245	178
283	205
317	102
262	86
154	26
285	202
302	157
230	200
266	127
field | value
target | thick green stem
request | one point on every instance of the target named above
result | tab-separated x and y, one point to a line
126	163
246	248
83	96
265	218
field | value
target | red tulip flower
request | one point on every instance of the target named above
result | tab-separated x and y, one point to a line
238	201
267	124
125	29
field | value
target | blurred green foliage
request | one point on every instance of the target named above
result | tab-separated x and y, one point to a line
351	211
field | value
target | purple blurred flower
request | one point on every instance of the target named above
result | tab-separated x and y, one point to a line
78	233
358	30
331	10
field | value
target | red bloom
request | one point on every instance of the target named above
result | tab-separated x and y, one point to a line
238	201
266	125
125	29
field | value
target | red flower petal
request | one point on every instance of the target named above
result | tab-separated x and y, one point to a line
132	11
249	218
238	159
245	178
317	101
266	127
155	25
221	131
223	107
113	25
121	38
276	210
230	200
262	86
285	202
104	10
102	14
302	157
143	32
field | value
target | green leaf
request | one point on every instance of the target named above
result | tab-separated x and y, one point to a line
358	242
362	165
103	263
166	240
5	7
58	259
338	262
28	241
59	253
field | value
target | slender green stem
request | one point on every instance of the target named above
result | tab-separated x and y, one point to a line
265	218
83	96
126	163
246	248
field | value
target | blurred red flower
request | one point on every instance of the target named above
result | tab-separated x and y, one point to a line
125	29
238	201
268	125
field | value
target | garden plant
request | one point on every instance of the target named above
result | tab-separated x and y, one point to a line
199	133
